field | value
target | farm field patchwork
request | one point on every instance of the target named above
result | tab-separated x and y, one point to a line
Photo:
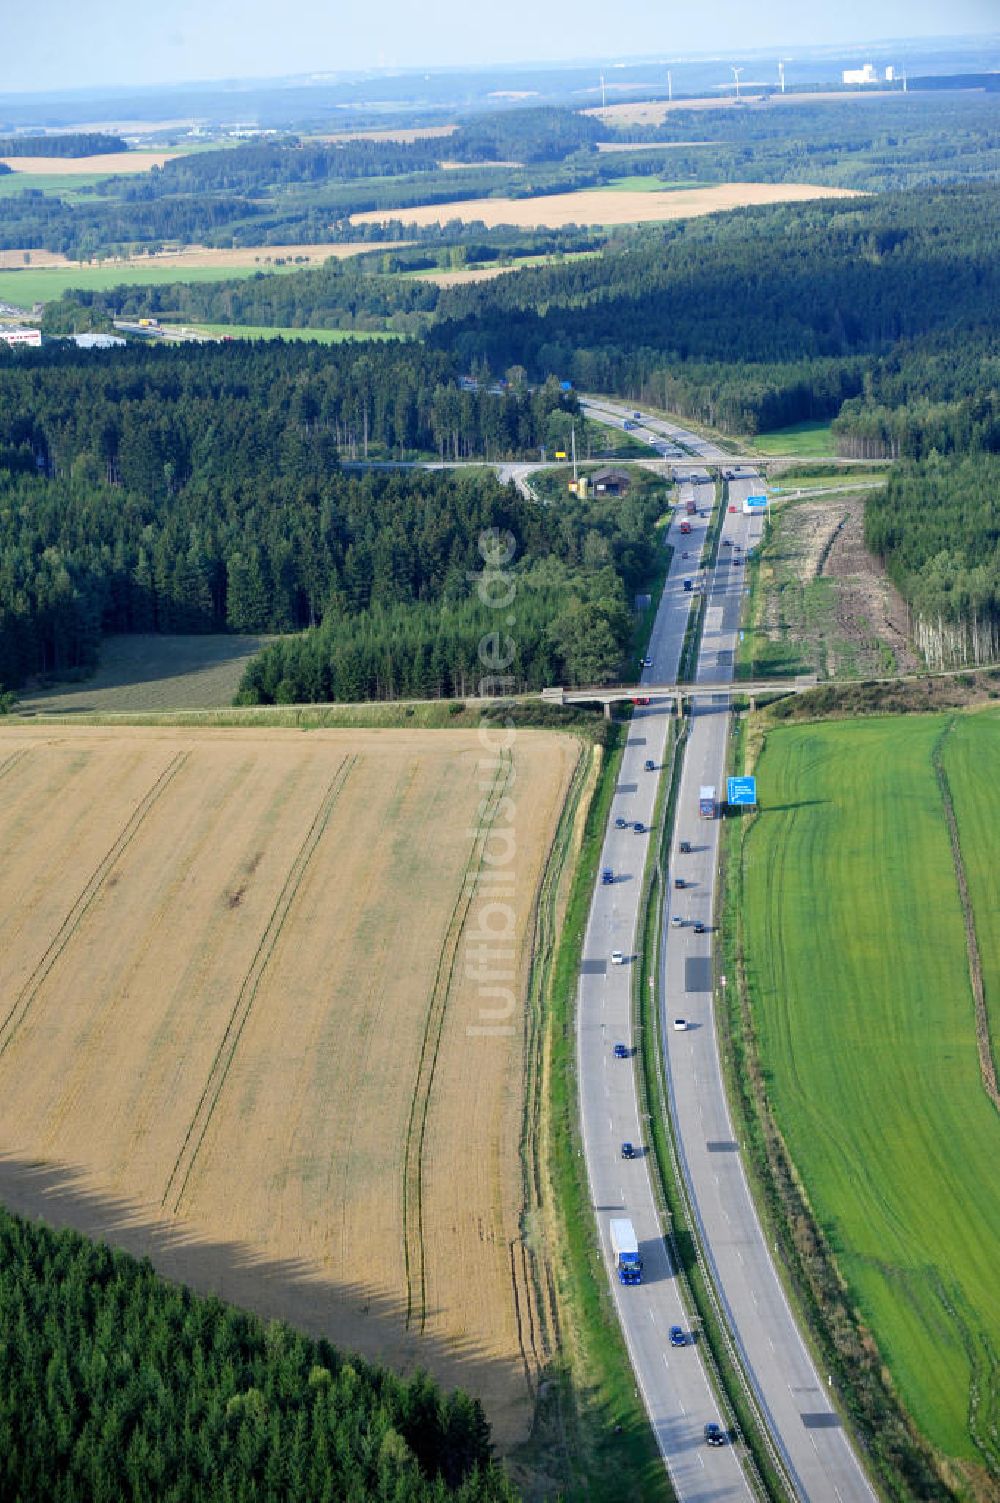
600	206
241	995
859	980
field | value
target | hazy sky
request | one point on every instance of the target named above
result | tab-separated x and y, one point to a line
56	44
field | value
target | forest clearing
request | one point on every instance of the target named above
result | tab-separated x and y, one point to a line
246	1030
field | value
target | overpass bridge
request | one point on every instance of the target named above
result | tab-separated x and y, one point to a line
610	694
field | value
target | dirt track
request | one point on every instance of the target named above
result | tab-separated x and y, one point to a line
238	972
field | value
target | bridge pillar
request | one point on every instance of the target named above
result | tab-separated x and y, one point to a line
753	703
607	709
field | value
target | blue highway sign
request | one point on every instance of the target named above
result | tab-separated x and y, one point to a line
741	791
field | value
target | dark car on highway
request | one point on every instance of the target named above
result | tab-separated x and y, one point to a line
685	847
621	1051
699	927
714	1434
621	824
628	1151
677	1336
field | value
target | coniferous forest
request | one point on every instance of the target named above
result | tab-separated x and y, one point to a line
115	1384
203	489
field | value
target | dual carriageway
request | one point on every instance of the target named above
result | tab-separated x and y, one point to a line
807	1438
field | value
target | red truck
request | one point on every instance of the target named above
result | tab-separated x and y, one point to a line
685	526
690	508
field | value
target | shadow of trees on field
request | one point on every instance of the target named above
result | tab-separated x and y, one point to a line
352	1316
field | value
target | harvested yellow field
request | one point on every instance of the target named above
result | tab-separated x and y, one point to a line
13	260
265	255
464	274
208	256
249	1027
590	206
112	161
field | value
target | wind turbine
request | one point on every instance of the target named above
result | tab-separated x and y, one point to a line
604	102
781	76
736	74
670	84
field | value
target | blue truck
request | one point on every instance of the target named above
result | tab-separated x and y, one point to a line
625	1246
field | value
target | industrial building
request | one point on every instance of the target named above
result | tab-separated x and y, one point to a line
97	341
869	74
11	334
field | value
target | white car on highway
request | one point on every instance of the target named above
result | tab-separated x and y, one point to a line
617	958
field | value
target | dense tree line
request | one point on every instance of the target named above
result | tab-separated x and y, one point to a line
115	1384
70	144
566	619
338	295
200	489
872	144
261	166
758	319
937	528
533	134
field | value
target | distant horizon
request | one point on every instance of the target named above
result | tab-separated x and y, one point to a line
193	43
312	78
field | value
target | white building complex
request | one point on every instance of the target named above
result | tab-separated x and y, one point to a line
11	334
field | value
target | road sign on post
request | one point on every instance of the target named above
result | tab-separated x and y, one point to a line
741	792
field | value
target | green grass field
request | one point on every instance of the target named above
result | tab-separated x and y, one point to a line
148	672
43	284
806	439
319	336
642	184
860	987
971	752
60	184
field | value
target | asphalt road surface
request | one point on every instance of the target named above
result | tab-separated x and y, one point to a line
673	1382
792	1394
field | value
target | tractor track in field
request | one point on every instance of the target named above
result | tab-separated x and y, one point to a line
987	1063
9	763
414	1258
88	894
194	1137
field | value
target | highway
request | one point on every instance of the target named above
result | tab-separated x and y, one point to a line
804	1426
672	1380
